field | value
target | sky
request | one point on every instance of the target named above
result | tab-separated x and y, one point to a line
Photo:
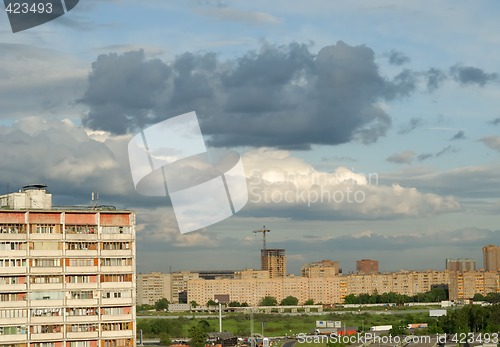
365	129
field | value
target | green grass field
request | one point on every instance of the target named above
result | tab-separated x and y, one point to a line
281	325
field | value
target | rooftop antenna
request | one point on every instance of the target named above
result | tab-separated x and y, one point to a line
95	199
263	231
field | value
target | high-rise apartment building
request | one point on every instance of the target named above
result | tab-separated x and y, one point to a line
491	255
324	268
67	276
460	264
179	285
153	286
274	261
464	285
366	266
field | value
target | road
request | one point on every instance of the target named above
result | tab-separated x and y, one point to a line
289	343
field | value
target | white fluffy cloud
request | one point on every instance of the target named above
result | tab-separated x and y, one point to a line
279	182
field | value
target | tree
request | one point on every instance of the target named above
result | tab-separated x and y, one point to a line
161	305
290	301
309	302
268	301
234	304
165	339
198	336
397	330
205	325
194	304
478	297
211	303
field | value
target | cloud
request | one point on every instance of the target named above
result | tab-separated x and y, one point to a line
448	149
495	121
471	75
282	185
38	82
492	141
328	98
435	78
459	136
424	156
405	157
413	123
397	58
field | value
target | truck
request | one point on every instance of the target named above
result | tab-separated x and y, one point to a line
325	331
417	326
381	328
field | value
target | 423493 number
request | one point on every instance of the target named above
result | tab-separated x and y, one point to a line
24	7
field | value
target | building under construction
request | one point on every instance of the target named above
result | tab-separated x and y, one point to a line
274	261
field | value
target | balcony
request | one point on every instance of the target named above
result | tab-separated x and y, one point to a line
13	304
47	319
74	286
116	253
116	301
8	339
116	285
53	253
46	303
14	321
118	317
81	302
82	253
117	333
13	270
82	335
116	237
12	288
116	269
81	236
46	286
46	336
82	319
81	269
46	270
7	236
14	253
45	236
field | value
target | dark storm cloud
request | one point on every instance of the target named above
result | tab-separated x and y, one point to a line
413	123
282	96
471	75
459	136
434	78
495	121
397	58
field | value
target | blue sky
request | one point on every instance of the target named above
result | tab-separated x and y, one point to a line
404	91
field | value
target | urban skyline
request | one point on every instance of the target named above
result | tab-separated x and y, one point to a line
365	129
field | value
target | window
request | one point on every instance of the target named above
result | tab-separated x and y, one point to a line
115	246
46	312
81	229
116	230
45	279
12	228
81	246
77	328
46	329
46	262
82	294
82	311
12	246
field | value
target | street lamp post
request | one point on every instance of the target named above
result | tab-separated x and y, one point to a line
220	314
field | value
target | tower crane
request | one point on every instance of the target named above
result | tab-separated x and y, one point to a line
263	231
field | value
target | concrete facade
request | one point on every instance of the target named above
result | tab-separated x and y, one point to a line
491	258
67	277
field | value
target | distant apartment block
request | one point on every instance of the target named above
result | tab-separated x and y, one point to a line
67	275
327	290
366	266
460	264
491	257
179	285
324	268
152	287
464	285
274	261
